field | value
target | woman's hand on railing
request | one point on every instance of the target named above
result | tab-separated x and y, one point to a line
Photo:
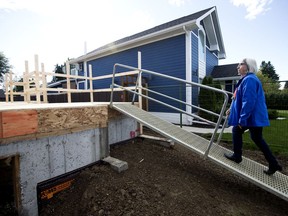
228	112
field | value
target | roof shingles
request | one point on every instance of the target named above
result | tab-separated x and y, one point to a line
223	71
172	23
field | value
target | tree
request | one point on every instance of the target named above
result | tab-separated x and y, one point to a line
58	69
207	100
4	68
19	88
4	64
286	85
267	69
269	86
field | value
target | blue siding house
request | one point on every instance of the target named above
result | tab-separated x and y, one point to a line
186	48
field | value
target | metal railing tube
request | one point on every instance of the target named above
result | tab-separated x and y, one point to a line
112	86
217	126
174	78
222	130
136	86
220	116
167	105
177	100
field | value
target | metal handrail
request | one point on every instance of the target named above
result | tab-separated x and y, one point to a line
165	104
177	100
221	115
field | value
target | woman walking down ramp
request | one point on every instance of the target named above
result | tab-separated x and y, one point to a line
248	111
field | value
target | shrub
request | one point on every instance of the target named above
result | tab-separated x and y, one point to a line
210	100
273	114
277	100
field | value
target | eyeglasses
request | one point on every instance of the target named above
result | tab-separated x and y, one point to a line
242	63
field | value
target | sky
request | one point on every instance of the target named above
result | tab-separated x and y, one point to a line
57	30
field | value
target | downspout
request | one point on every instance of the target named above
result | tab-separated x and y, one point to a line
188	63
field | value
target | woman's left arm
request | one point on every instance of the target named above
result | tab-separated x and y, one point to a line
249	97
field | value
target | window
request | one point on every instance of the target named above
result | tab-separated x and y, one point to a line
80	66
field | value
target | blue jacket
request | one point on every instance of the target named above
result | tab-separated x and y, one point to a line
248	107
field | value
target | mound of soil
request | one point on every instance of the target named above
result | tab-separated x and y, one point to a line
163	181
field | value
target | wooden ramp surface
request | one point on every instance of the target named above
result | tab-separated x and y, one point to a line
248	169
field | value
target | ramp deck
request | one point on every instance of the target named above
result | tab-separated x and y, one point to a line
248	169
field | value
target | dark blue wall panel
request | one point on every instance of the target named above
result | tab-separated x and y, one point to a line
167	57
211	61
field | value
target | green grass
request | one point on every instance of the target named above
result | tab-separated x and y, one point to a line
276	135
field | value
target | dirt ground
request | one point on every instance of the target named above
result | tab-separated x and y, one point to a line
164	181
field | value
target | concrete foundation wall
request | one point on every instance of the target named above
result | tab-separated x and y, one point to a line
45	158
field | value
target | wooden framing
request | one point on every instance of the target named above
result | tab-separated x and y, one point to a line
16	182
35	83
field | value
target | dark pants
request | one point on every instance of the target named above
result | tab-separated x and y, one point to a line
256	136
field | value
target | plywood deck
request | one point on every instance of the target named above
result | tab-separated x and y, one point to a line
19	121
22	105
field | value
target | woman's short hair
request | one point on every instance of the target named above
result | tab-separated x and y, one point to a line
251	65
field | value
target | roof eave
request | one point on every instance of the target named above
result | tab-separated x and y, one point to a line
214	35
156	36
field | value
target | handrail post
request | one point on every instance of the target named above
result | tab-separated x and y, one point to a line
222	130
217	125
136	85
112	86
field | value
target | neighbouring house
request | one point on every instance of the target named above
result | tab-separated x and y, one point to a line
227	75
2	95
62	84
188	48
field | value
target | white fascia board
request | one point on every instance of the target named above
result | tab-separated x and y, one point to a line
219	36
222	56
156	36
211	33
213	13
204	16
214	47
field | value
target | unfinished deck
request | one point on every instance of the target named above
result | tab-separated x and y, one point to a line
42	141
20	120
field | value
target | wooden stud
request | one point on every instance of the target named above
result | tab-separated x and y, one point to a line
27	83
44	84
37	84
16	182
91	83
7	88
11	87
68	81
